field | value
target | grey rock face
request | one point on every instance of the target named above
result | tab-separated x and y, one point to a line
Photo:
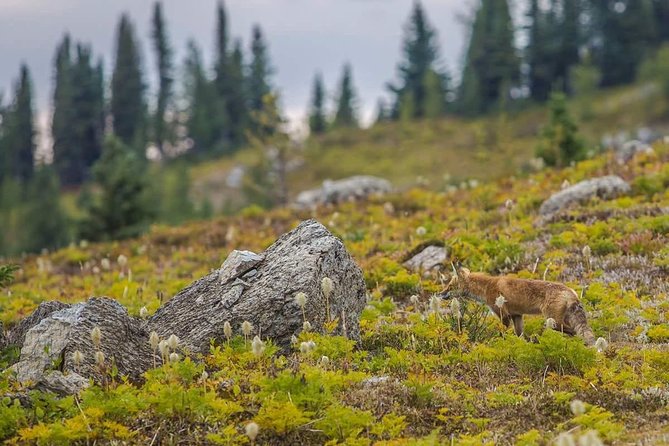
17	334
296	262
429	258
607	187
347	189
238	263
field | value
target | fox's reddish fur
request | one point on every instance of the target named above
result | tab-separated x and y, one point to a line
522	296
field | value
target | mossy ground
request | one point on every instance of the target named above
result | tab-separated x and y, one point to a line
437	379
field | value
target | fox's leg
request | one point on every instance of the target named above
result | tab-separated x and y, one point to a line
518	324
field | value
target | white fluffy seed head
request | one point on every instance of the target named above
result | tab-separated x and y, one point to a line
414	300
601	344
421	231
227	329
455	307
306	326
508	204
304	347
77	357
325	361
293	339
311	345
435	304
122	260
565	439
590	438
550	323
154	339
301	299
173	342
163	348
500	301
96	336
577	407
99	358
247	328
257	346
252	430
327	285
204	376
143	312
105	264
586	251
174	357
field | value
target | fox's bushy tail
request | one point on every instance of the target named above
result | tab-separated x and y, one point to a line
577	320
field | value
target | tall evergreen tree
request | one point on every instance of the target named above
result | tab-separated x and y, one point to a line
19	132
121	208
201	103
260	71
661	15
164	68
382	112
624	33
420	57
44	224
317	118
491	61
537	54
436	90
222	82
66	156
128	106
346	113
236	97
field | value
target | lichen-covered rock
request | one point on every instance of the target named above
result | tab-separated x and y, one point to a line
429	258
3	337
347	189
49	345
17	334
607	187
265	296
238	263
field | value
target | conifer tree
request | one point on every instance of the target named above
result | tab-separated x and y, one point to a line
121	209
491	61
19	132
561	143
317	118
420	57
260	71
222	86
346	110
382	112
164	69
201	103
65	151
128	106
436	89
44	224
236	99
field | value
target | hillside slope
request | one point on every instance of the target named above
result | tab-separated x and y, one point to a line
435	378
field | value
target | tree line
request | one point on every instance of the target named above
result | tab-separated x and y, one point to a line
101	128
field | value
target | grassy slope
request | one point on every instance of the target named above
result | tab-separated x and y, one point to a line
448	381
445	150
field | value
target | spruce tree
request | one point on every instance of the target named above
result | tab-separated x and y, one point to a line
317	118
346	110
44	224
491	61
201	103
19	131
420	57
128	106
436	89
121	208
561	143
164	69
236	99
222	86
260	71
382	112
66	153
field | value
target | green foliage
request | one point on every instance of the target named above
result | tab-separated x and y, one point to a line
281	417
346	109
341	422
7	274
561	143
317	118
164	69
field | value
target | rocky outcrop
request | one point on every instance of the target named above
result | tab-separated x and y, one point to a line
347	189
630	149
427	259
263	293
59	352
607	187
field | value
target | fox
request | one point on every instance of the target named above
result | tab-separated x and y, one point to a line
510	298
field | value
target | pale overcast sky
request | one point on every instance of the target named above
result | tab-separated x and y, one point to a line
304	36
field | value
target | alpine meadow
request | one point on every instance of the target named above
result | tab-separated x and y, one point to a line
478	257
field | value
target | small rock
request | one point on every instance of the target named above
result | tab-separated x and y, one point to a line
429	258
62	384
375	380
237	263
630	149
607	187
347	189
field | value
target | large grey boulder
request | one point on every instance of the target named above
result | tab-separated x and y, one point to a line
263	293
47	353
258	288
607	187
427	259
347	189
